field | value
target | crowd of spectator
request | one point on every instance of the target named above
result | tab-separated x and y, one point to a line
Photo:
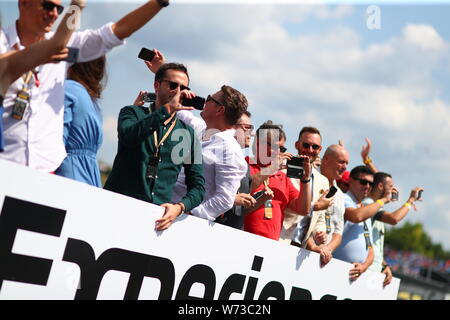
187	164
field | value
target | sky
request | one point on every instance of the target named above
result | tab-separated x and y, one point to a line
330	64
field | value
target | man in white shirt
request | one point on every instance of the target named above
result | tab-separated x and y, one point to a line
35	139
333	165
223	161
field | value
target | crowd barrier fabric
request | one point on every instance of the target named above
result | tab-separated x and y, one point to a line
61	239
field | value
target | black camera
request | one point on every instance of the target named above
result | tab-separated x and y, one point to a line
149	97
196	102
295	168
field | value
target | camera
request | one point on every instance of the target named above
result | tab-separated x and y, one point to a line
149	97
196	102
394	196
295	168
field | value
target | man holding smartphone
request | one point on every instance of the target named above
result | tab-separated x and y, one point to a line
146	166
334	163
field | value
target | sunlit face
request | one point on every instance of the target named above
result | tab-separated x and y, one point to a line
388	184
361	186
335	164
244	131
309	144
213	107
171	83
38	14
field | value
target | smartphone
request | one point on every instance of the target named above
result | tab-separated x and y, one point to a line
259	194
332	192
196	102
146	54
295	168
419	197
72	55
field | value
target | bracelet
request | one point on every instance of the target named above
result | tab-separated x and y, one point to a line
163	3
368	160
305	181
407	204
380	202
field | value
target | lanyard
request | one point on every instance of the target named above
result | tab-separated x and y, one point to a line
26	79
366	236
166	135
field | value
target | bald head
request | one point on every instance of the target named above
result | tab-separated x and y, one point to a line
334	162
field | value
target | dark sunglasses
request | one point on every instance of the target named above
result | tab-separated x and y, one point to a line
49	6
283	149
209	98
174	85
307	146
364	182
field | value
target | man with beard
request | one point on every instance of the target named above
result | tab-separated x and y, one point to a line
146	166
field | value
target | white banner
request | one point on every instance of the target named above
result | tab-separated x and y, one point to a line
61	239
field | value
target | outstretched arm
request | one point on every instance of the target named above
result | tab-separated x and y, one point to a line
136	19
13	64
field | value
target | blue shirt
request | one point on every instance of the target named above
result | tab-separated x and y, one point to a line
353	247
83	135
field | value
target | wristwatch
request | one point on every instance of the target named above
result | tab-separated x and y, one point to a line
163	3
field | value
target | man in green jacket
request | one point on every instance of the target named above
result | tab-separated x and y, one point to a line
153	147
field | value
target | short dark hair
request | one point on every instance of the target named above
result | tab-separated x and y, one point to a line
269	125
235	104
356	171
309	130
170	66
247	113
379	177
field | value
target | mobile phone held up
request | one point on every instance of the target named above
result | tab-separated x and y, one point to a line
196	102
295	168
72	55
332	192
146	54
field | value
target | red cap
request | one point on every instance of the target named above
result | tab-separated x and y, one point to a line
345	177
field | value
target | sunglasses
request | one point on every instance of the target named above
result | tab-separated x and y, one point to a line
364	182
49	6
209	98
283	149
174	85
307	146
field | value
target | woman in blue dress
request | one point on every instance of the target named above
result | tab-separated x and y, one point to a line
83	132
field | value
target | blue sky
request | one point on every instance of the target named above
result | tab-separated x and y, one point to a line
313	65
